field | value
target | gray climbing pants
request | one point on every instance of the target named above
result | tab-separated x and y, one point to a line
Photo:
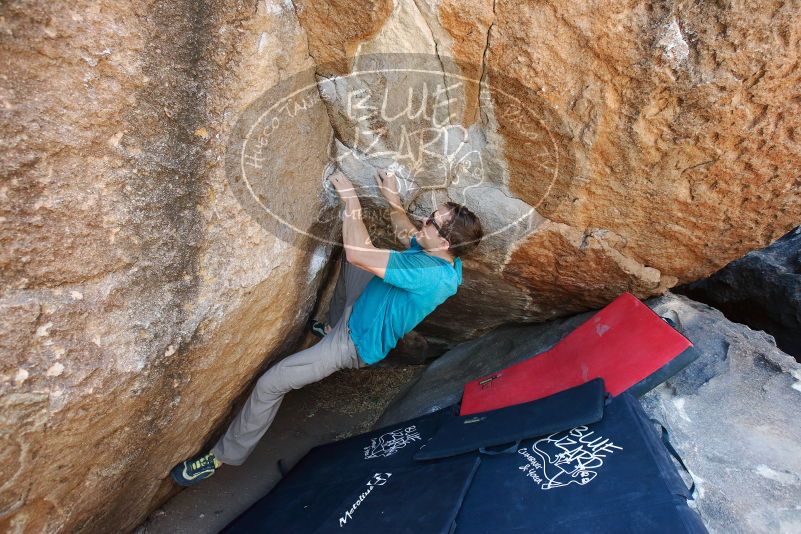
333	352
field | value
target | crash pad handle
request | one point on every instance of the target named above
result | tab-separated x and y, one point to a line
510	449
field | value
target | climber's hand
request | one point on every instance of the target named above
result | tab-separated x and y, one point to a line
343	186
388	185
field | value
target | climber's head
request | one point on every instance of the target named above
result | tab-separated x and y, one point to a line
451	227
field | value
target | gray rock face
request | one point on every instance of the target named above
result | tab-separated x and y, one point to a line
731	414
761	289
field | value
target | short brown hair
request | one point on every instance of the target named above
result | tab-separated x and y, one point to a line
464	230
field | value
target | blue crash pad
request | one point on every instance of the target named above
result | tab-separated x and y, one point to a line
612	476
366	484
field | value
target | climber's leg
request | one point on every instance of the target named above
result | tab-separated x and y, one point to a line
335	351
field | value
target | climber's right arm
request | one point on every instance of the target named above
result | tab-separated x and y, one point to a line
401	224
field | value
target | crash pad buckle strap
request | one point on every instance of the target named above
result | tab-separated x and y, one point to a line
511	449
665	436
674	321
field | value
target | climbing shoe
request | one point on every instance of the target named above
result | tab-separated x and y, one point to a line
192	471
317	328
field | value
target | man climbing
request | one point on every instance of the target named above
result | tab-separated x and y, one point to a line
380	295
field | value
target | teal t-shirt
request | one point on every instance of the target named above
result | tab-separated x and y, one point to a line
414	284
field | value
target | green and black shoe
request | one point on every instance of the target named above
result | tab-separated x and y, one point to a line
192	471
317	328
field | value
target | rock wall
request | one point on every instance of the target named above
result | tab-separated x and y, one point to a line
634	145
653	143
762	290
139	298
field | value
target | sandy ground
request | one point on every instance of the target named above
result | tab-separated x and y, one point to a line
346	403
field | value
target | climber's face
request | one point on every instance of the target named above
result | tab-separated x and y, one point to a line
430	236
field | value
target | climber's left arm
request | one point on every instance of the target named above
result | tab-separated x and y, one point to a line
359	249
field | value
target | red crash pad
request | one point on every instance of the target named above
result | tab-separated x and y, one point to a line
625	343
